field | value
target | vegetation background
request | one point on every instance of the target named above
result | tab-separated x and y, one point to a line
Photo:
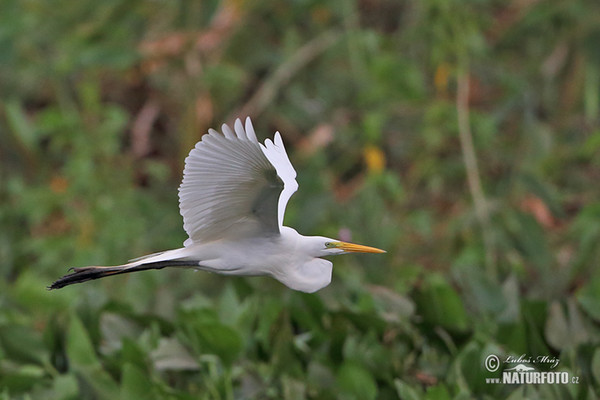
461	136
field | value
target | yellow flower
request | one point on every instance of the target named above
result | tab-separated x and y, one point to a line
374	158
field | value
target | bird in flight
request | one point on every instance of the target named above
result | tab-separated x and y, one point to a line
232	199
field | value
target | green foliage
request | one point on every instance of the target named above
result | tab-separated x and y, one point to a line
100	103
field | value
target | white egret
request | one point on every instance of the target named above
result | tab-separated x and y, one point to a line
232	199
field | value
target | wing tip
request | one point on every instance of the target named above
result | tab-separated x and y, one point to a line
241	130
250	133
278	140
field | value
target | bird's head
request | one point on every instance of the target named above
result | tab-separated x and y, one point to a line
320	246
308	272
333	247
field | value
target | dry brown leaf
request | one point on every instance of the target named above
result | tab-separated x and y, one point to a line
142	127
540	211
317	139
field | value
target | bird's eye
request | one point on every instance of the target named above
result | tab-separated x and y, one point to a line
329	245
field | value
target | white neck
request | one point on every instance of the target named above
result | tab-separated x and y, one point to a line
304	270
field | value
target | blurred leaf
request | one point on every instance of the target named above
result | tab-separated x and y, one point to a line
206	334
557	327
135	384
171	355
230	307
437	392
595	367
544	191
21	343
565	328
293	389
513	336
588	297
469	364
486	292
368	352
439	304
529	238
114	329
588	235
27	291
319	375
391	306
535	315
22	378
65	387
22	129
79	346
84	361
269	310
355	382
405	391
510	292
523	393
133	352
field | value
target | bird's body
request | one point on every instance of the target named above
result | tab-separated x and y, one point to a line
232	199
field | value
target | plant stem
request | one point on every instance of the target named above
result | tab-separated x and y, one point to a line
284	73
470	161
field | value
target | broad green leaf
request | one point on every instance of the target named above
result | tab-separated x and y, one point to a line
134	353
83	360
65	387
114	329
439	304
207	335
485	293
229	305
367	350
588	297
543	190
293	389
531	240
135	384
595	367
510	291
513	336
23	130
391	306
27	291
80	349
319	375
220	340
557	326
21	378
535	313
355	382
268	311
172	355
470	362
22	343
405	391
437	392
524	392
565	328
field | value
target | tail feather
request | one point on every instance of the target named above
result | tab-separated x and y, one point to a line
84	274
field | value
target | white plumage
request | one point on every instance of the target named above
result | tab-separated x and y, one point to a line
231	186
233	198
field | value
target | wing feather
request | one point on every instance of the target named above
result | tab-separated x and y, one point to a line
233	185
276	154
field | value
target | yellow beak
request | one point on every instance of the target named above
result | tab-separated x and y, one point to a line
357	248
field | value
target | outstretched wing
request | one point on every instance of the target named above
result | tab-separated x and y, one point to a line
234	186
